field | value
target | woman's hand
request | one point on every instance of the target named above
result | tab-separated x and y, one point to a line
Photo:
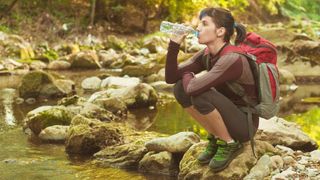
177	38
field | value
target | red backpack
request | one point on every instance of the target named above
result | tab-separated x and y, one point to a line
262	57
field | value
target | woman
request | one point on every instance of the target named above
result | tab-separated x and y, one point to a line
207	98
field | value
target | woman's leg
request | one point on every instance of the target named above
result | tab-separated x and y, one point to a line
212	122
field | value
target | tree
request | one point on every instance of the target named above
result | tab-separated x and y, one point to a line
6	11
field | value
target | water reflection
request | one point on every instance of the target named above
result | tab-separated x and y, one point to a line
7	98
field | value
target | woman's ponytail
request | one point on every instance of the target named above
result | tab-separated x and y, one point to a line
241	33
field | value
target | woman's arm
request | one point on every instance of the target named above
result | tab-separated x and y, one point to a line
173	72
227	68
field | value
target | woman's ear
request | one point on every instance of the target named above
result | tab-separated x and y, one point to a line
221	31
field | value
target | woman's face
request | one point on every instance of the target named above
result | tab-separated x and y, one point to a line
208	32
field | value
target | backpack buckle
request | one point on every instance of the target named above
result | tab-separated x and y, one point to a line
251	56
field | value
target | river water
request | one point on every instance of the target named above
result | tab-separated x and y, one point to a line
22	158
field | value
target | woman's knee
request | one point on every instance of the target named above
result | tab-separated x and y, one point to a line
202	102
180	95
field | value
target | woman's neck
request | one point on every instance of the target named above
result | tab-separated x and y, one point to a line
214	47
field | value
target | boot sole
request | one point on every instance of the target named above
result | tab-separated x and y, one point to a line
239	151
204	162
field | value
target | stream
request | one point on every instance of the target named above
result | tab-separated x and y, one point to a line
23	158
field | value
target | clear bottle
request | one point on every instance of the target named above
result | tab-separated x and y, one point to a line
175	28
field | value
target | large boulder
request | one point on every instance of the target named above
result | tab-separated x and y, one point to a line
159	163
278	131
119	82
176	143
141	70
190	168
123	156
45	116
85	59
39	83
59	65
88	136
115	43
141	95
309	49
286	77
91	83
126	155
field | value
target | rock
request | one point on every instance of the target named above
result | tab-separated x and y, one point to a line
141	95
115	43
126	155
288	160
56	133
65	85
141	70
313	172
92	83
123	156
285	149
39	83
289	173
237	169
107	57
115	105
158	163
85	59
155	44
119	82
72	100
309	49
277	131
304	160
88	136
261	169
179	142
301	37
315	155
286	77
45	116
38	65
162	86
277	162
59	65
31	100
90	110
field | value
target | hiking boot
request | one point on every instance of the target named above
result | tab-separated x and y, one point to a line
210	150
225	154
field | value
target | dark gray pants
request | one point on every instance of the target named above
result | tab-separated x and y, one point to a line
234	119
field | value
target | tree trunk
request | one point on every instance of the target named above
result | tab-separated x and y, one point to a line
8	9
92	12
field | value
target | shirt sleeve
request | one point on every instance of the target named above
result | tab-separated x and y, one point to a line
229	67
173	71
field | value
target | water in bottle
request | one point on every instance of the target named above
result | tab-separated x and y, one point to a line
175	28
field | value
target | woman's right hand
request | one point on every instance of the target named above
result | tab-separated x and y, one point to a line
178	38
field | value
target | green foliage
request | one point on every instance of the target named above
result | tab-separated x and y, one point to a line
5	29
309	121
51	55
301	9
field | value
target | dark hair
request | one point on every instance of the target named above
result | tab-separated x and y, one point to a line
223	18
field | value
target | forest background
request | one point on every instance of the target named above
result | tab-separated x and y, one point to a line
52	20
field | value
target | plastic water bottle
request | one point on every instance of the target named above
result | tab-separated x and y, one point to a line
175	28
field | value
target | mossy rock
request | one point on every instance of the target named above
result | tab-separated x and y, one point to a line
32	83
46	116
87	136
